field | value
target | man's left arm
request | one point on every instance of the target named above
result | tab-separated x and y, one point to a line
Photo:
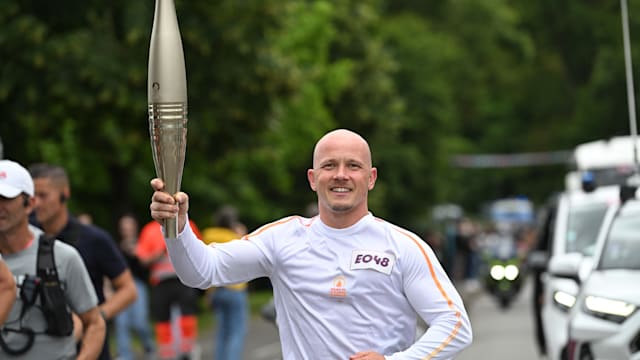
81	297
115	268
94	334
124	294
436	300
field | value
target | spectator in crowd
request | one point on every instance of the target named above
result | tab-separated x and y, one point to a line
434	239
28	334
230	302
173	305
97	248
136	317
467	254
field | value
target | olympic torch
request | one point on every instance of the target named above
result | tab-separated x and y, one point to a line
167	96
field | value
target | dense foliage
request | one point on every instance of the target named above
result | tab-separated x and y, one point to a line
422	81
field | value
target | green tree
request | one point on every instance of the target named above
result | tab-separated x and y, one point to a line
422	81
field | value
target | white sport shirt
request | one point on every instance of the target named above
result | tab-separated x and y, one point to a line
339	291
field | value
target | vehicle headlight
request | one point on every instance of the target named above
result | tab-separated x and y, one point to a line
511	272
608	309
497	272
563	300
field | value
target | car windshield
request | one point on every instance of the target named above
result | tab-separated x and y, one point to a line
584	223
622	247
612	176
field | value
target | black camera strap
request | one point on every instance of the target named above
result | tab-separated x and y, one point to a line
46	264
52	297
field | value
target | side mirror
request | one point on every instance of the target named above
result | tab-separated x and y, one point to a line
538	260
566	266
629	189
627	192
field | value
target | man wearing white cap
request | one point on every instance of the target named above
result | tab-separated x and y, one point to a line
26	332
8	288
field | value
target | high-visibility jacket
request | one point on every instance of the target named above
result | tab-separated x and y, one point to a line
151	245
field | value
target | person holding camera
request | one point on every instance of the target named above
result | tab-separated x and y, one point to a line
39	325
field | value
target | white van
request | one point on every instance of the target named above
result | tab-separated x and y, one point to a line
570	226
611	161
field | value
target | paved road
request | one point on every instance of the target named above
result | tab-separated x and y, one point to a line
498	334
502	334
262	342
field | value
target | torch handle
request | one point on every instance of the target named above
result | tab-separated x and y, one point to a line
170	227
168	132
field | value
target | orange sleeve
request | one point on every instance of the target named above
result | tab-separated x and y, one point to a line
150	242
196	231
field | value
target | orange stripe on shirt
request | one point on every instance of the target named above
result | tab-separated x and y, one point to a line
458	325
448	340
276	223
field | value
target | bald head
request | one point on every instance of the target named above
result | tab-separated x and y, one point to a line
342	177
342	138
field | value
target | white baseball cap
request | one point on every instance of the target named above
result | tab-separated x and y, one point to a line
14	179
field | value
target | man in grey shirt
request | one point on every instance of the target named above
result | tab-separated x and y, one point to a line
19	248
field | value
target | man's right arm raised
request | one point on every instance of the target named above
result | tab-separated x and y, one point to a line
201	266
197	264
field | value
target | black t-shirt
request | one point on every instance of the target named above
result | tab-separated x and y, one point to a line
138	270
100	254
98	250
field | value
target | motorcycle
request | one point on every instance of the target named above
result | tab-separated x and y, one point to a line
503	278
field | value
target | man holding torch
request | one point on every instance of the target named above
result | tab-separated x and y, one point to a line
347	285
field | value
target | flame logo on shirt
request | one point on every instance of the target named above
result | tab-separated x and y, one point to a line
339	287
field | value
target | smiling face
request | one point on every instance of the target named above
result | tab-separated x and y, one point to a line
342	176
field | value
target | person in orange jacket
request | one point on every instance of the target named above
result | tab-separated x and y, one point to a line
168	295
230	303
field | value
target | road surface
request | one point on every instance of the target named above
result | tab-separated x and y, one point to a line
502	334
